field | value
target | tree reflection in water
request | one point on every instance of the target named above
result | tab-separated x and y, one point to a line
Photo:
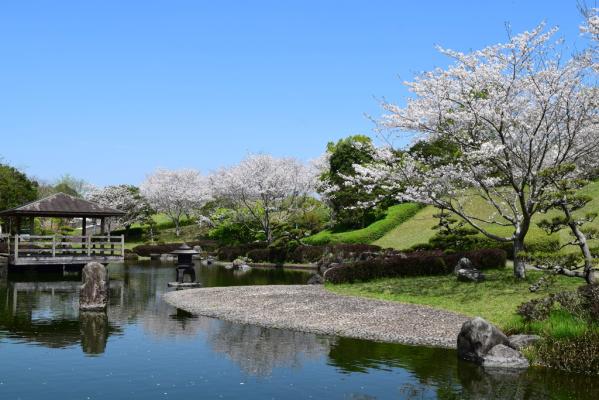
259	350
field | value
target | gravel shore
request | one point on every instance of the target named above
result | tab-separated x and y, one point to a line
311	308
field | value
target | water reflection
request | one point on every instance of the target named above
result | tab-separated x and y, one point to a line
43	308
42	311
94	331
258	351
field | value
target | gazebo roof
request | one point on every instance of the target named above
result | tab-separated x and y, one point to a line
62	205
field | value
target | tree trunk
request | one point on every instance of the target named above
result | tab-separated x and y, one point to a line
519	264
176	222
582	243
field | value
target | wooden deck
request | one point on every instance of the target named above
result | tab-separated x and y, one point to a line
31	250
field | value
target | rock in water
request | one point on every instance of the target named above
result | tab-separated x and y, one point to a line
94	291
519	342
502	356
477	337
238	262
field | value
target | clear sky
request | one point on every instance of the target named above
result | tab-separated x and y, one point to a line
109	90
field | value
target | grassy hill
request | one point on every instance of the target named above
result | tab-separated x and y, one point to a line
395	215
417	226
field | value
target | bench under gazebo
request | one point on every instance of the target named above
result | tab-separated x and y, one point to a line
25	248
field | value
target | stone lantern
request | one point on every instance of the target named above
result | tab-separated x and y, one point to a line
185	264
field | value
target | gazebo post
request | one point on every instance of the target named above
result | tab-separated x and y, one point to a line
31	225
84	229
18	225
102	232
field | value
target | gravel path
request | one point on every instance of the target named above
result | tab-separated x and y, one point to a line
311	308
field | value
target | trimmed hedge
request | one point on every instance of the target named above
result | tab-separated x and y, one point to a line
307	254
544	244
134	233
144	250
395	215
230	253
413	264
481	259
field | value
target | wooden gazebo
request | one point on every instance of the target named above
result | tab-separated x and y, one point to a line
26	248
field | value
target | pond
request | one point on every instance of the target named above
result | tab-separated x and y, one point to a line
144	348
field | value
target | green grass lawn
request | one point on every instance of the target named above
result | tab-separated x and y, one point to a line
395	216
495	299
419	228
416	230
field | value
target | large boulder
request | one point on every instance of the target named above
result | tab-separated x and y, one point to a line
502	356
519	342
470	275
94	291
463	263
477	337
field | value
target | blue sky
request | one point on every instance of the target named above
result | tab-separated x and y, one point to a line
109	90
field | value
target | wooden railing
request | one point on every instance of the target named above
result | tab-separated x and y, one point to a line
58	246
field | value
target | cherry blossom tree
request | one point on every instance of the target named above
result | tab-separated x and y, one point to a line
591	29
266	188
511	111
125	198
176	192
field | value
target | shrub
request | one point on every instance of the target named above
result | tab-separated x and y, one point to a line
230	253
307	254
348	248
275	255
589	295
533	244
420	263
481	259
279	254
535	310
145	250
580	305
134	233
391	267
578	354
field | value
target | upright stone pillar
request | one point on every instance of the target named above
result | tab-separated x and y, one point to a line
94	291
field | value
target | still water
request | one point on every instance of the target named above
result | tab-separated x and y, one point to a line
143	348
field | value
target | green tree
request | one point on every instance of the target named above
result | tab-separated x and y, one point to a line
347	202
73	186
563	195
15	187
